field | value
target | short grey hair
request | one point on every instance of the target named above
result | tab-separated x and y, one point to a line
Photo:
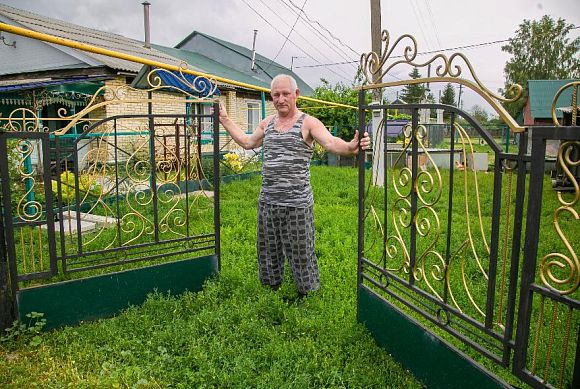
292	80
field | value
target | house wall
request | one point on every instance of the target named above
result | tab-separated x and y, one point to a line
99	150
528	119
132	102
240	115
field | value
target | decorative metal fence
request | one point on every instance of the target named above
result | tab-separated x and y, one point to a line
105	199
472	247
547	345
127	190
442	241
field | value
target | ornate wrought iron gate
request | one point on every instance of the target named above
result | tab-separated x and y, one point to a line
128	190
32	216
552	277
447	272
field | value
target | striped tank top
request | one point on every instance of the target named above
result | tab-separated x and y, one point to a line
286	167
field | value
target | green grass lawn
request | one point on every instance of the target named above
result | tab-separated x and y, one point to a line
234	333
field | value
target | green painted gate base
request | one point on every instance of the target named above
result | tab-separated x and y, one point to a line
70	302
432	360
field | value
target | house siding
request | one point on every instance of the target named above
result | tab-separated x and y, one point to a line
167	103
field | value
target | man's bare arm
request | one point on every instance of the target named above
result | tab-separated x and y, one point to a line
247	141
332	143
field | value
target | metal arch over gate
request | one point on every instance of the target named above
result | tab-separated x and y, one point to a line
129	193
449	280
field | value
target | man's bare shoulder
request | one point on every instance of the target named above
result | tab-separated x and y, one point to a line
312	122
266	120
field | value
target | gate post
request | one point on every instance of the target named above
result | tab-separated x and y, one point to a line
7	298
7	315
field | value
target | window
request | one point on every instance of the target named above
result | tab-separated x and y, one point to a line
253	116
206	122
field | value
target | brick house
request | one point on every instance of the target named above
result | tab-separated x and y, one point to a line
46	78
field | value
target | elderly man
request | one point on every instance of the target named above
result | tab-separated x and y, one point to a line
285	205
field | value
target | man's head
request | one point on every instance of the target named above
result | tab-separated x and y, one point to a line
284	93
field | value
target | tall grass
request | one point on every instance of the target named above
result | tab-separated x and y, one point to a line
234	333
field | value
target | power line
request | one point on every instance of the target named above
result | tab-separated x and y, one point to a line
310	28
420	53
287	36
298	47
330	44
420	23
432	20
343	74
326	29
308	41
326	64
460	47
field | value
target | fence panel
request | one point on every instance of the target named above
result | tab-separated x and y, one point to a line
28	205
548	320
128	188
441	238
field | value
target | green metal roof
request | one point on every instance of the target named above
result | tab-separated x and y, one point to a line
207	65
260	59
541	93
269	68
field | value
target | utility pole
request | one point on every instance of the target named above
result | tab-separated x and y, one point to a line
459	98
377	114
376	44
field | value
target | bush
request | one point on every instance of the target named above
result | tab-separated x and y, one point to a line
87	184
234	162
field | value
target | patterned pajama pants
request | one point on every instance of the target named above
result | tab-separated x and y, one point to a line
287	232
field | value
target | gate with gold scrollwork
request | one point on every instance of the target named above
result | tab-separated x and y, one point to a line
548	325
116	205
468	265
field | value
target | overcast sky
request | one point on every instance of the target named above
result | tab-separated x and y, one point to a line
436	24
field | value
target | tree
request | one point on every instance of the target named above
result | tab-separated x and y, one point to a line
345	119
479	114
541	50
448	96
413	93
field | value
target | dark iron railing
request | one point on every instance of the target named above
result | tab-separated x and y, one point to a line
112	197
442	242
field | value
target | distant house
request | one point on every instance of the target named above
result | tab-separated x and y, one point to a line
46	78
401	111
538	108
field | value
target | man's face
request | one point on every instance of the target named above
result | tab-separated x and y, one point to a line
284	95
